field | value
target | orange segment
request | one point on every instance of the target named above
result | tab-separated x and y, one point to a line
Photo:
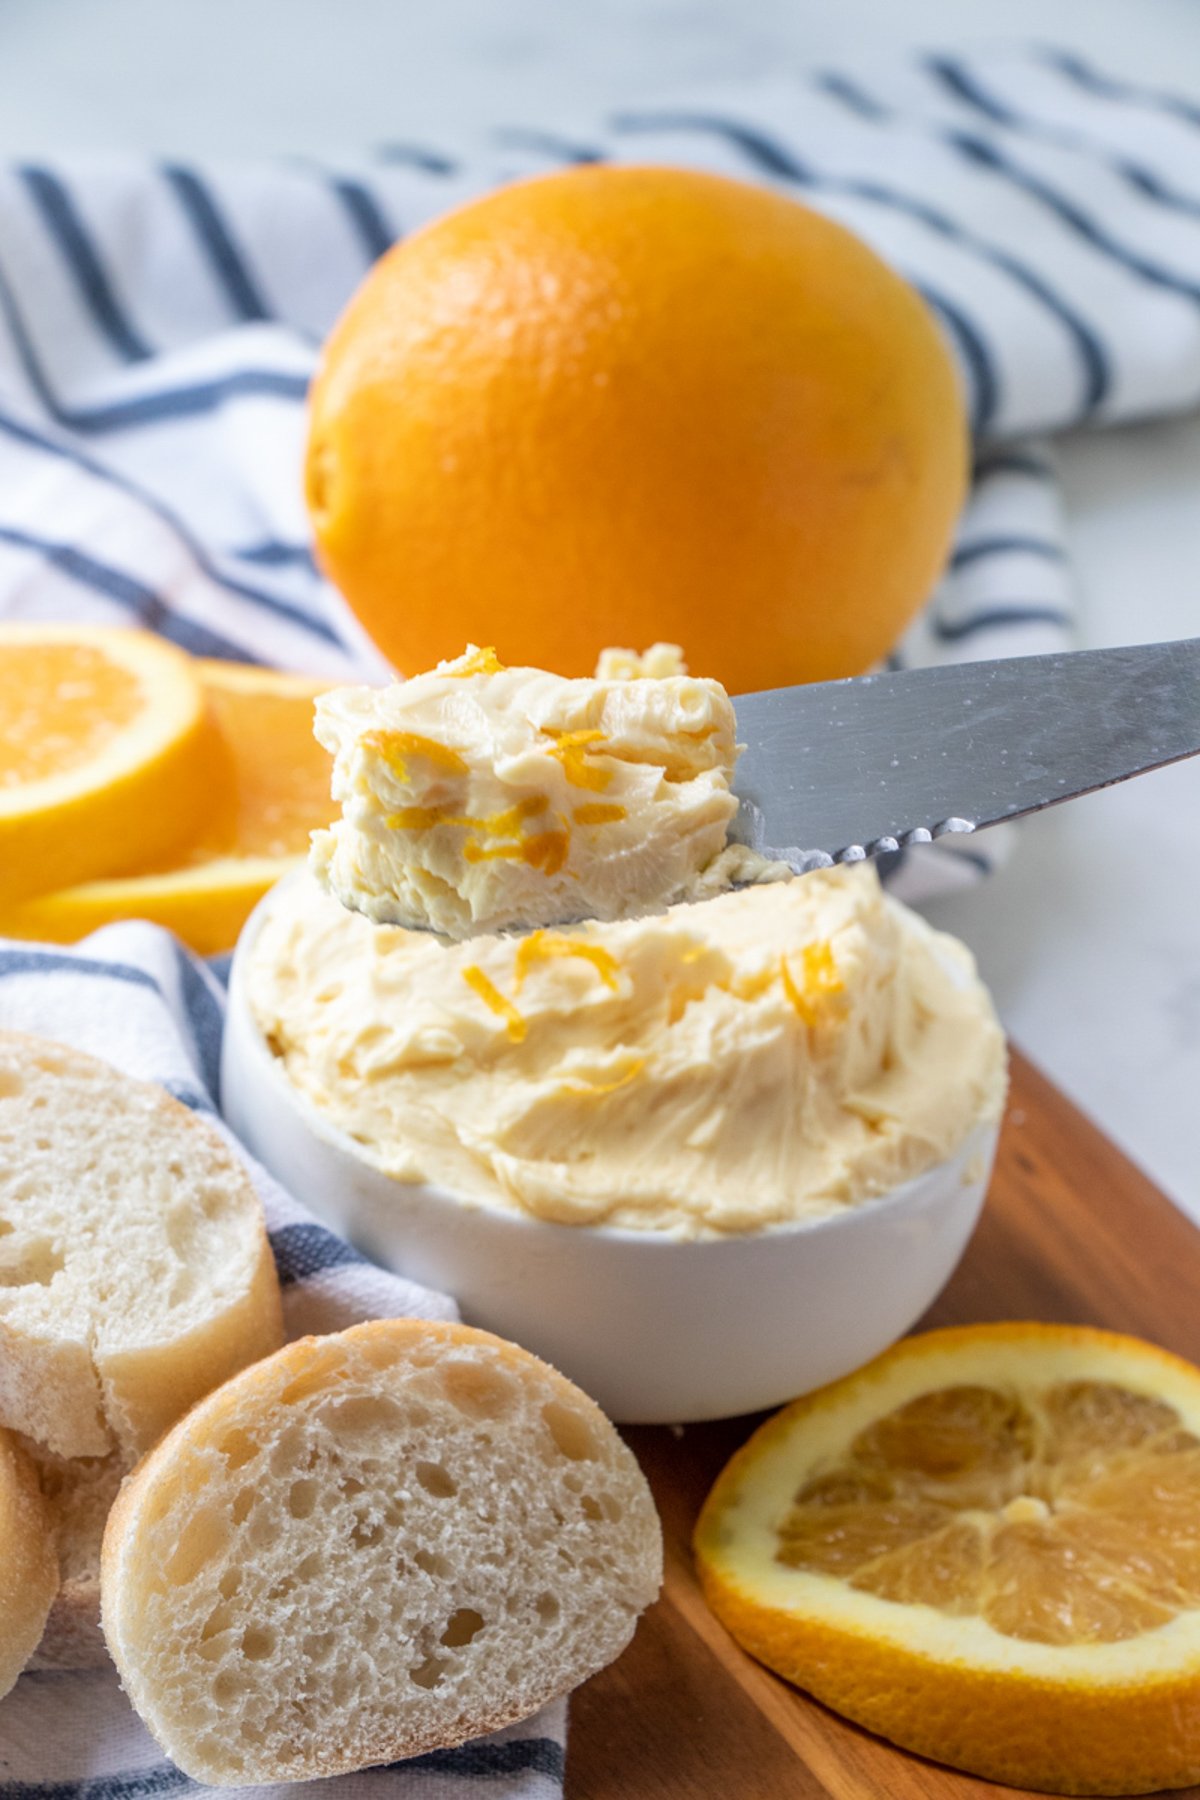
276	774
63	703
971	1501
986	1547
103	752
267	782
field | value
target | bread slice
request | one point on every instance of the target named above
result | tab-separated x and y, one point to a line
369	1546
135	1272
28	1563
79	1492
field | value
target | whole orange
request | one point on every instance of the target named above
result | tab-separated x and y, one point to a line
616	405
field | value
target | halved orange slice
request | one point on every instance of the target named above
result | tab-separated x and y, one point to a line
984	1546
103	752
268	786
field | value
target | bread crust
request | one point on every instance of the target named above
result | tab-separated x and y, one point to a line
164	1482
28	1560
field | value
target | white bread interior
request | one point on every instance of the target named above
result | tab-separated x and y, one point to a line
28	1561
135	1272
369	1546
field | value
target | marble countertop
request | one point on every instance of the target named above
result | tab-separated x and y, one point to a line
1091	937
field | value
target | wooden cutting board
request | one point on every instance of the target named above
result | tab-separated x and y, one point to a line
1072	1231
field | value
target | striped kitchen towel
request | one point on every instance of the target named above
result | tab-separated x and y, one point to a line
133	996
158	327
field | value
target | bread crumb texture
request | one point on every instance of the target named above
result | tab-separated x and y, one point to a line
135	1272
369	1546
28	1561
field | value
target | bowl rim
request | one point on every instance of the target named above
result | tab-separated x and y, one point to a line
980	1140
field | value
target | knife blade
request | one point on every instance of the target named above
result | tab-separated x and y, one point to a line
843	770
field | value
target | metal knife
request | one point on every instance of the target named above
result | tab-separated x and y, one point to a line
842	770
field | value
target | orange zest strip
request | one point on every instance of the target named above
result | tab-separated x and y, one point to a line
414	818
494	1000
751	986
477	853
593	1090
503	824
821	981
396	747
499	824
543	946
598	812
797	996
475	661
495	823
570	749
546	850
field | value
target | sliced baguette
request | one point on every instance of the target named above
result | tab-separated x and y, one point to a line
135	1272
28	1562
369	1546
79	1492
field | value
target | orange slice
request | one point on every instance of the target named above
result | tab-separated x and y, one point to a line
103	752
984	1546
268	786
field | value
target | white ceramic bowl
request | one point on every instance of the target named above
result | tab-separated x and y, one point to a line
656	1329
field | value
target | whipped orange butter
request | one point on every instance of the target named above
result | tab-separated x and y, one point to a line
773	1056
480	799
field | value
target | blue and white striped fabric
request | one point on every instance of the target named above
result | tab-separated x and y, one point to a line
158	326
